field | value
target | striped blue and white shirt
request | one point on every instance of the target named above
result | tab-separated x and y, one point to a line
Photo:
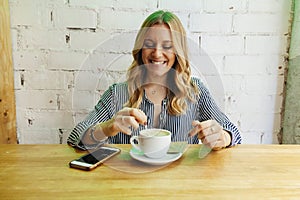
117	95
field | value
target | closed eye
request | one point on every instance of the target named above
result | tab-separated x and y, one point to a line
149	44
167	47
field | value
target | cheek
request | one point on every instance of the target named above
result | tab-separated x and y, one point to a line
172	59
144	56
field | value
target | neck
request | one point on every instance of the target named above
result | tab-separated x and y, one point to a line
156	90
154	79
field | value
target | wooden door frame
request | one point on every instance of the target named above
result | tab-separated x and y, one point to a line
8	134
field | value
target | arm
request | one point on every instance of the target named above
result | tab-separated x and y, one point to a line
102	112
213	126
105	120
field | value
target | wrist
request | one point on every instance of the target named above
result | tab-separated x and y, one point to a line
108	128
96	134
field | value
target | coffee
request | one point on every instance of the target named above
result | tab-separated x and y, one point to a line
154	132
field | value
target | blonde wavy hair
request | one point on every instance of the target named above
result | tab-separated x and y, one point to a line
180	88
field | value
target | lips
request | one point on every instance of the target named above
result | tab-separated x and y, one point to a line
158	62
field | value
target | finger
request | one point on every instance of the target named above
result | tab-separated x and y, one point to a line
124	112
211	140
210	127
218	145
193	131
130	121
122	127
195	128
195	123
206	124
125	129
138	114
214	144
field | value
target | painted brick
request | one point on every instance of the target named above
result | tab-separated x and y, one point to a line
17	80
39	136
269	85
80	115
228	45
269	6
216	6
47	80
30	15
82	40
92	3
259	103
43	119
135	5
204	65
97	81
220	23
63	100
86	80
257	121
99	62
265	45
83	100
30	60
121	63
178	5
61	119
185	19
253	137
230	86
108	78
129	20
36	99
253	65
14	38
75	18
42	39
68	60
43	99
256	128
260	23
120	42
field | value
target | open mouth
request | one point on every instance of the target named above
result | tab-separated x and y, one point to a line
158	62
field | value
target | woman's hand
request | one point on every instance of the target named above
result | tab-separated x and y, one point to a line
123	120
211	133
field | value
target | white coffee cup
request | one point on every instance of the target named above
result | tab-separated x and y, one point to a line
154	143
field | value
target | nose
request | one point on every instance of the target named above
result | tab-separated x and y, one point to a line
157	51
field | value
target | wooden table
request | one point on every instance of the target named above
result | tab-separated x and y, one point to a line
242	172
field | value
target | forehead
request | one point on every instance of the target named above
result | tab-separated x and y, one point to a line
158	32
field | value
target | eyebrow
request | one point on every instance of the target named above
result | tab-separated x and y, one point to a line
164	41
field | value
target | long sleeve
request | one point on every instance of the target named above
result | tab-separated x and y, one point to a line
103	111
208	109
114	98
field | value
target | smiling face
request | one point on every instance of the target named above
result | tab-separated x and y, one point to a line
158	52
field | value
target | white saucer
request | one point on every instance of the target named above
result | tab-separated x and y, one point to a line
155	161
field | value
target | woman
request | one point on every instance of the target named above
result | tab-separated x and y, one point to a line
160	93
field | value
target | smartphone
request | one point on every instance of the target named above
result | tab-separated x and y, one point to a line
94	159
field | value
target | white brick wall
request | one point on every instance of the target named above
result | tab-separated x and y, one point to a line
66	52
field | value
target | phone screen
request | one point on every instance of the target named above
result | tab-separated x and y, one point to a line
97	156
93	159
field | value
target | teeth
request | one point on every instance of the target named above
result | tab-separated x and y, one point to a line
158	63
